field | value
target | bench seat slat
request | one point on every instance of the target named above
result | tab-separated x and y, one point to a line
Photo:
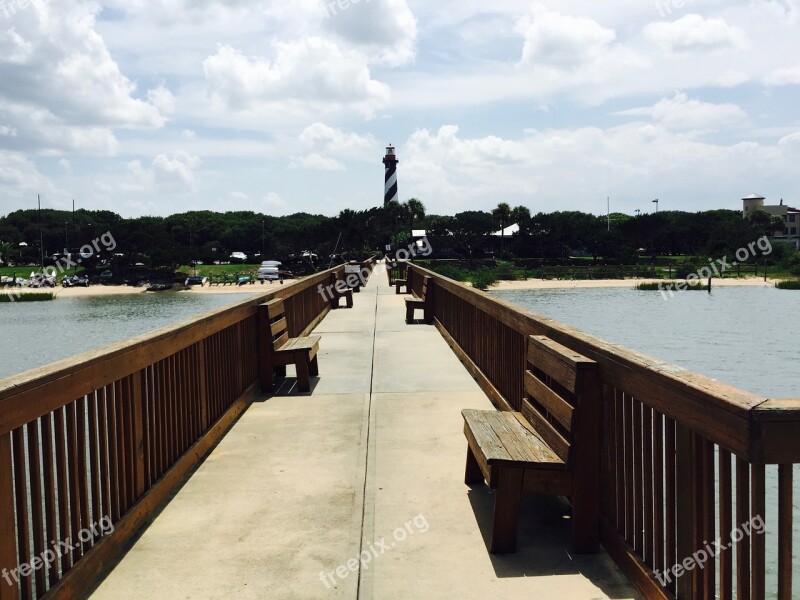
502	439
301	344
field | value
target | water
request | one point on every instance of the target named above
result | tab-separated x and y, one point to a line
746	337
35	334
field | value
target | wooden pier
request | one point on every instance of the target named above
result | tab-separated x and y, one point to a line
216	489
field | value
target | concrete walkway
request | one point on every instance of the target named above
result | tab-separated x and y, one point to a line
370	464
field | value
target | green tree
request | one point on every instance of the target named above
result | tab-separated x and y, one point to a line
470	229
5	252
414	210
503	214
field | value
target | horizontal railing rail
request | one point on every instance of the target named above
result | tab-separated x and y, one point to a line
673	441
91	445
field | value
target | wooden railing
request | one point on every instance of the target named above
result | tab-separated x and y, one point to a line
90	446
685	457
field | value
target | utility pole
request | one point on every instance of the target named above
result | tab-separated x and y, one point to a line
41	237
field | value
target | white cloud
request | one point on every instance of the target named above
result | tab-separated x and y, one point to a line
577	168
169	175
386	29
275	204
319	135
61	87
694	33
318	162
562	41
162	99
175	174
683	113
311	73
786	76
328	146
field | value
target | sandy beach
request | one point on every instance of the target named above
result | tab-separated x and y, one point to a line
556	284
124	290
257	288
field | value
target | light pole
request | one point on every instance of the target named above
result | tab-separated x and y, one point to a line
637	212
263	239
66	242
656	201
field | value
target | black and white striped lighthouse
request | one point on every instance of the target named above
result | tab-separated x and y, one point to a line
390	188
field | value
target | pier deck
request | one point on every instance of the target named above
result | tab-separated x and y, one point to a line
304	483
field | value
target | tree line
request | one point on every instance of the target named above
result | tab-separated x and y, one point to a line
207	236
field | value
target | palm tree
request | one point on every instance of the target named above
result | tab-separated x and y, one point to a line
522	216
503	214
414	210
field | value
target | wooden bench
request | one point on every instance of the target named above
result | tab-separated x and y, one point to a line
341	290
425	302
551	447
394	266
279	350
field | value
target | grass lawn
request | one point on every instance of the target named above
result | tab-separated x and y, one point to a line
215	270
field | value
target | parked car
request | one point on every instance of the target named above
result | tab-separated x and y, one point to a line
75	281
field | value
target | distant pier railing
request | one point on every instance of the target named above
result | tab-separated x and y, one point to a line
98	441
685	458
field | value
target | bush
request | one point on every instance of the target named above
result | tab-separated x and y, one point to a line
27	297
791	284
483	278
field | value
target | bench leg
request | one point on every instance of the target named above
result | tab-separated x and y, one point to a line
473	473
303	378
409	313
281	371
508	498
585	524
313	367
350	300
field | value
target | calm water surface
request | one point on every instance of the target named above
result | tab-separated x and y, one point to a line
746	337
35	334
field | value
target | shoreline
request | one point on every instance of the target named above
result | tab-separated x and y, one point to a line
125	290
567	284
257	288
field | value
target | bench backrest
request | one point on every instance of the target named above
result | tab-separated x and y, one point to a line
277	324
425	282
558	384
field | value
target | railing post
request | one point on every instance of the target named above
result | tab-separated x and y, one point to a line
684	509
202	369
9	589
137	399
264	340
586	479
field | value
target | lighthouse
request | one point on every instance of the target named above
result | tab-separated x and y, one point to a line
390	188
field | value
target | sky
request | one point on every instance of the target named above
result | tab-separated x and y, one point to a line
154	108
